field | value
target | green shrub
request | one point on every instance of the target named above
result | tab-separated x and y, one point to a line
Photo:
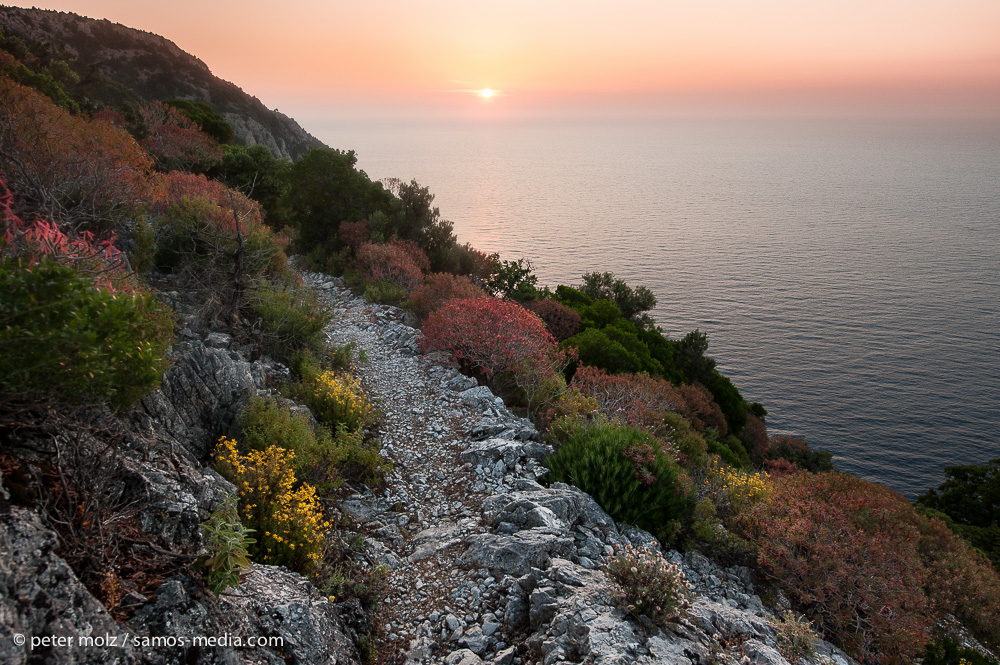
305	366
144	239
689	443
710	535
343	578
949	652
627	473
384	293
207	119
66	342
323	459
729	400
970	498
226	540
288	319
598	350
633	303
649	585
198	235
796	639
513	280
729	448
359	461
45	84
342	357
263	422
567	427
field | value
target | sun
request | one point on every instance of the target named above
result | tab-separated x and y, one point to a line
486	93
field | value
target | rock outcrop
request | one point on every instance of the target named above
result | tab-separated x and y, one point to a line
163	474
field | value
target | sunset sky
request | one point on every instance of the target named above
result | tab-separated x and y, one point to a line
311	58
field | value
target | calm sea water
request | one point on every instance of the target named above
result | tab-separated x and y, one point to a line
847	274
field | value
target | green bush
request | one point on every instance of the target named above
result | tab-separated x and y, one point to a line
627	473
709	535
144	239
305	366
384	293
323	459
729	448
226	540
673	427
66	342
796	639
567	427
729	400
949	652
195	235
207	119
288	319
598	350
970	498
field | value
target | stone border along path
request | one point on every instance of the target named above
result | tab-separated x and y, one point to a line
485	564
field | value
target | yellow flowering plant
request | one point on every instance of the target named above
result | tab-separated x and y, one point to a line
288	520
338	400
734	491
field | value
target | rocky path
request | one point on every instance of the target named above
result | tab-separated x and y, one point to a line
434	501
485	565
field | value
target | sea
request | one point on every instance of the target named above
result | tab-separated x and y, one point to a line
846	272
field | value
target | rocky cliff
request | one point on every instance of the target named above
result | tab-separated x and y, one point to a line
119	64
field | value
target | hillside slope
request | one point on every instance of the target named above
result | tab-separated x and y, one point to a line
117	64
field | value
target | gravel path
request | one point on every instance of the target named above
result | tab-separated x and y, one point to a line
434	499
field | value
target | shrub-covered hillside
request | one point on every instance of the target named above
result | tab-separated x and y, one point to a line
99	63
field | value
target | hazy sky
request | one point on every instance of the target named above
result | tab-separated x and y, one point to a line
311	58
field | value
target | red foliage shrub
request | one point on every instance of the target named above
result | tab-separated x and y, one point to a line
67	168
489	335
754	437
230	204
438	289
961	582
484	265
561	321
781	467
413	250
354	234
872	572
30	242
701	410
174	141
389	263
627	396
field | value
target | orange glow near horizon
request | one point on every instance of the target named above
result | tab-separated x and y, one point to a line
646	56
